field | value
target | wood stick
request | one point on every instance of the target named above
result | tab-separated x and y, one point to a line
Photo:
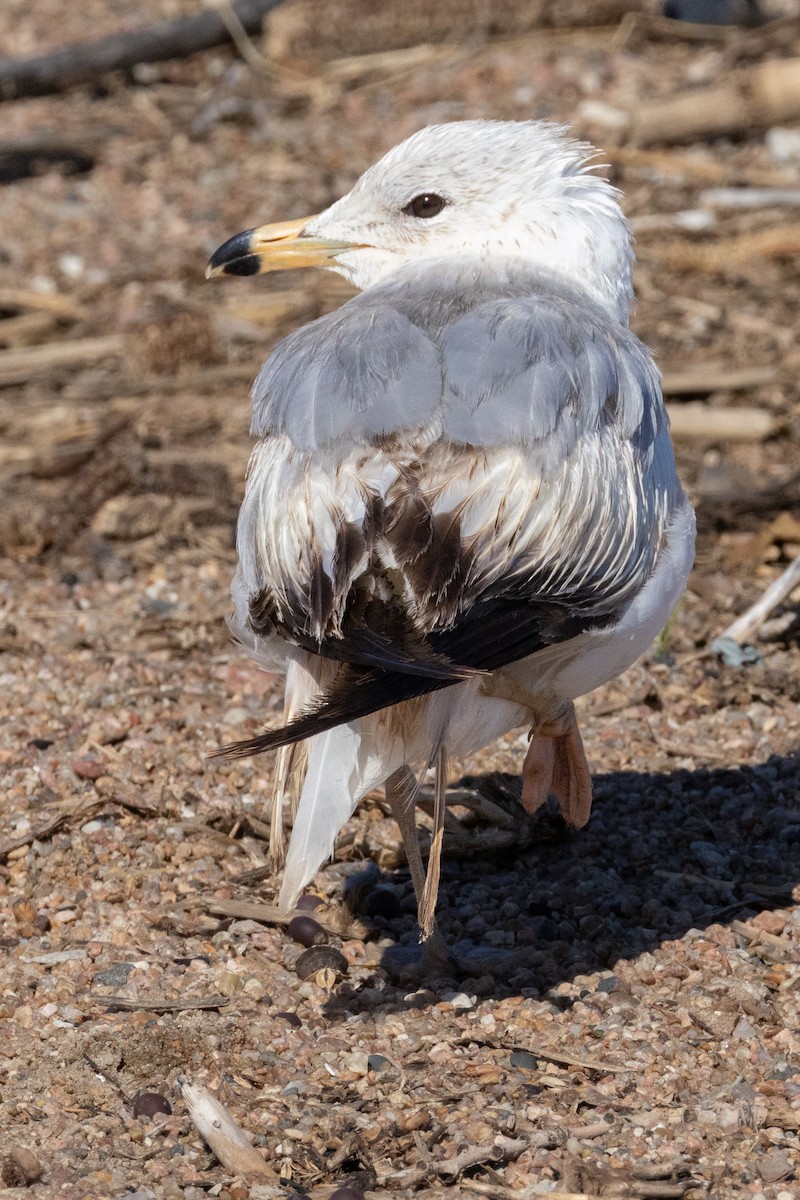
18	366
81	62
270	914
677	162
23	299
226	1139
128	1004
713	377
698	422
762	95
26	328
749	197
779	241
750	622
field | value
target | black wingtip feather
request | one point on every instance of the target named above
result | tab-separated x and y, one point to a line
353	695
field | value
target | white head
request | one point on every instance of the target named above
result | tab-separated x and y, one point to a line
520	191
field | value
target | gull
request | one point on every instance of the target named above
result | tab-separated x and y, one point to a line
462	510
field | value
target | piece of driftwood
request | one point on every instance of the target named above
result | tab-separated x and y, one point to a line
698	422
81	62
745	626
779	241
689	166
35	156
18	366
226	1139
737	198
270	914
26	328
762	95
714	377
192	1003
21	300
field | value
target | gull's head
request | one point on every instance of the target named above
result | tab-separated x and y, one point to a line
521	192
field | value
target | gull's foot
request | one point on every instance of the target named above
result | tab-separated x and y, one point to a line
556	763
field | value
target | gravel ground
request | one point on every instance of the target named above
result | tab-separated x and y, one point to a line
625	1022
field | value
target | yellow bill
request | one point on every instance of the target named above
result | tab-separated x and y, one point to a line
279	247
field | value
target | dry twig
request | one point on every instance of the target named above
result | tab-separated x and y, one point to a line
82	62
748	624
227	1140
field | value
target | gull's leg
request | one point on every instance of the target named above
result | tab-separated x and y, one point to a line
283	770
556	762
401	793
430	892
572	781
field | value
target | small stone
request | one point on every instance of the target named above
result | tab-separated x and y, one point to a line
769	922
114	976
357	1062
88	768
459	1000
20	1168
147	1104
229	983
524	1060
783	145
309	902
23	1015
255	989
290	1018
378	1062
346	1193
774	1166
611	983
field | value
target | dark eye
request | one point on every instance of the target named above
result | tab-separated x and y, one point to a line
428	204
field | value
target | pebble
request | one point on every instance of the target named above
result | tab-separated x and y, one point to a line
20	1168
147	1104
769	921
459	1000
357	1062
114	976
783	145
229	983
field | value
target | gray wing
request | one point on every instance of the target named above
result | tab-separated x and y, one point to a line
447	489
354	375
541	371
537	370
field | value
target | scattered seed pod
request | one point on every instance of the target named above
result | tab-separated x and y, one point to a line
306	931
326	978
310	902
347	1193
147	1104
320	958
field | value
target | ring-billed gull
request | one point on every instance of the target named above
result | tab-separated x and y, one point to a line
462	510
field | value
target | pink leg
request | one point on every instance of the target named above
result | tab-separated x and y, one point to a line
556	762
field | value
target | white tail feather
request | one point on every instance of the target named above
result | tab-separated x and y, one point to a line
341	770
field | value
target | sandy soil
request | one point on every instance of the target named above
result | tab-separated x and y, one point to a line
626	1023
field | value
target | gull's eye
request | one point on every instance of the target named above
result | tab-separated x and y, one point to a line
427	204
